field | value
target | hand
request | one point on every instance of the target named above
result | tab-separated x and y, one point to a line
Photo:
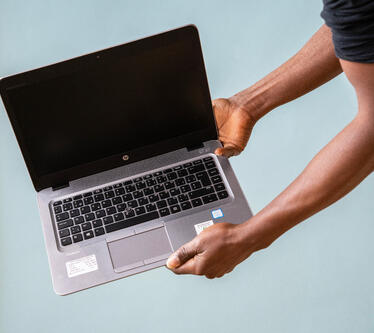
234	126
213	253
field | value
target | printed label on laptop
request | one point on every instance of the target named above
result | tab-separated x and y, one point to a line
203	225
81	266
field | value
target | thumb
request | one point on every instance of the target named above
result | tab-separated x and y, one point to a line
183	254
227	150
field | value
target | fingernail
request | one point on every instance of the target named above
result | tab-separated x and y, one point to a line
173	262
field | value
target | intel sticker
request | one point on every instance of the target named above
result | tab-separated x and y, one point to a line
217	213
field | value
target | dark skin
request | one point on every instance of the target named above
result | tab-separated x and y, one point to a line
338	168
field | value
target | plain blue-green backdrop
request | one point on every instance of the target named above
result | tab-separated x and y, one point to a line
316	278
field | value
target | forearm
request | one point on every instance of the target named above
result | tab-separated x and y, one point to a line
334	171
311	67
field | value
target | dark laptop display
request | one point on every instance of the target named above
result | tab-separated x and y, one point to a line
110	103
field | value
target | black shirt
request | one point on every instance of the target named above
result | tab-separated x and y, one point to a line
352	26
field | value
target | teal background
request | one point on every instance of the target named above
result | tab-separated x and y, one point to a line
316	278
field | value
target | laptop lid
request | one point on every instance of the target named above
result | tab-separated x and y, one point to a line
111	107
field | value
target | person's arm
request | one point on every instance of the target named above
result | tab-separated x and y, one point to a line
312	66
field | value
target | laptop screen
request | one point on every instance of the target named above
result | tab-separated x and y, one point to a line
115	104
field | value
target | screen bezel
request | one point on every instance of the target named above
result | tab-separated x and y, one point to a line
63	177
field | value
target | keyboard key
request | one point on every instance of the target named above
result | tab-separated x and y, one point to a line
132	204
89	216
140	185
137	194
99	197
64	233
185	188
219	187
151	182
138	179
196	185
161	179
111	210
86	226
109	195
62	216
78	219
208	158
210	198
148	191
75	229
99	231
213	172
178	167
186	165
175	209
79	196
196	202
174	192
85	210
108	188
169	185
210	165
197	162
57	209
216	179
108	219
88	201
67	200
100	213
78	204
159	188
118	185
200	192
172	201
150	207
143	201
85	195
64	224
88	234
196	168
158	173
164	195
186	205
67	206
98	191
97	223
222	195
164	212
133	221
121	207
127	182
74	213
168	170
139	210
129	212
161	204
182	173
77	238
130	188
172	176
120	191
127	197
66	241
57	203
117	200
180	182
153	198
95	206
106	203
190	179
118	217
204	178
182	197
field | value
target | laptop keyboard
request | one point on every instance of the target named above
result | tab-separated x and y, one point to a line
138	200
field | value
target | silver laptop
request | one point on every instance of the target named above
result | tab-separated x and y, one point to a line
120	148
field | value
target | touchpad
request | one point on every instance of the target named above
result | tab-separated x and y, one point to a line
140	249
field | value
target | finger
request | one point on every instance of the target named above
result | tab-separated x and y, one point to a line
184	253
189	267
227	151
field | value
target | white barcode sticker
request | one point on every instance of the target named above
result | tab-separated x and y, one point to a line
81	266
203	225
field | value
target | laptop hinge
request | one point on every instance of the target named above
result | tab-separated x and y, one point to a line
200	145
60	186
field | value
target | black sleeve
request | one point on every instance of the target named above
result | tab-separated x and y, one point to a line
352	26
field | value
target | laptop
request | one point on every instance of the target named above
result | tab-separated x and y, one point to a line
120	146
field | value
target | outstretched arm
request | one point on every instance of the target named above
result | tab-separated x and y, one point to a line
312	66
